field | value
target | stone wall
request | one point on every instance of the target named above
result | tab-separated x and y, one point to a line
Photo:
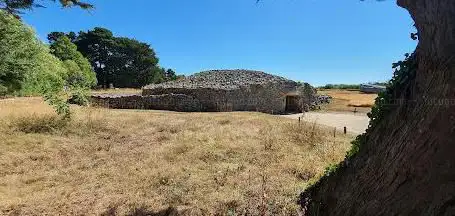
269	98
174	102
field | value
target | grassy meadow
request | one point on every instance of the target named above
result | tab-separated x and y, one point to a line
127	162
349	100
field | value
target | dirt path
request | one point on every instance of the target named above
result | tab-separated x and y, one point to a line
355	123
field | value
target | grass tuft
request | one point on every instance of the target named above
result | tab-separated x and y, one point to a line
47	123
307	134
51	123
224	121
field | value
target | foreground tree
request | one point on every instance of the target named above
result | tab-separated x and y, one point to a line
404	164
16	47
17	7
25	62
27	67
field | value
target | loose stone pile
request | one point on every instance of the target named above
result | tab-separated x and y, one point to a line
224	79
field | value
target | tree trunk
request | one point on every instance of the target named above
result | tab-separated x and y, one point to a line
407	164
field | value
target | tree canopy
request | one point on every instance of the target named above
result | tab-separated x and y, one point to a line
121	61
79	70
17	7
28	66
25	63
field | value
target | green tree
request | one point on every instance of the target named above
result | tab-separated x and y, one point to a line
98	46
25	62
26	65
124	62
170	75
79	71
121	61
54	36
134	63
158	75
17	47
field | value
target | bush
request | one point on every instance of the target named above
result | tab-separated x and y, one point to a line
48	75
79	71
27	66
79	97
3	90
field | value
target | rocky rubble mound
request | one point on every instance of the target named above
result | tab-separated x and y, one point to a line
223	79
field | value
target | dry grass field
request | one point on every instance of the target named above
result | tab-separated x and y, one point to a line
347	100
126	162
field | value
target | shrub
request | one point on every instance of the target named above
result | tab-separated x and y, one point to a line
79	71
3	90
27	67
48	75
79	97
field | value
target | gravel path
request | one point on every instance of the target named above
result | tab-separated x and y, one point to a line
355	123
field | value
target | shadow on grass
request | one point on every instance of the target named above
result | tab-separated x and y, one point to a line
143	211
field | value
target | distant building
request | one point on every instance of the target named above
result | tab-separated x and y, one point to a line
369	88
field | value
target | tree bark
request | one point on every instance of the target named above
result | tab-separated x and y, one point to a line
407	165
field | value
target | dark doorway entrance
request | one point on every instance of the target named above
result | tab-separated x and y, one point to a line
292	105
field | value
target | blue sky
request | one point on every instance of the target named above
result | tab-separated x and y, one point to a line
317	41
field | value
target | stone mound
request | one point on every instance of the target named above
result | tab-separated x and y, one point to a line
223	79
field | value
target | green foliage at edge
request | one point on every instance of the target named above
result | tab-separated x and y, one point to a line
79	70
19	51
27	68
